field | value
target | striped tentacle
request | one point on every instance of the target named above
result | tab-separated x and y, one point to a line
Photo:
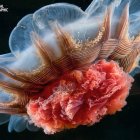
130	61
65	42
124	46
108	44
18	103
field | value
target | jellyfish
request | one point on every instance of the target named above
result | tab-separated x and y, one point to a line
68	67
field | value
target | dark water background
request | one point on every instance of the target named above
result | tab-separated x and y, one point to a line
124	125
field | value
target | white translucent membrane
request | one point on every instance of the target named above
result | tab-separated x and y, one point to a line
28	60
82	26
20	37
5	61
20	123
61	12
5	97
39	22
70	17
134	18
134	28
97	7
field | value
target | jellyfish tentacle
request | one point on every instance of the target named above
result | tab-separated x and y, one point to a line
124	46
107	22
20	98
108	44
39	76
42	49
16	90
16	106
23	83
130	61
64	39
87	52
5	109
48	71
65	43
123	25
13	75
10	87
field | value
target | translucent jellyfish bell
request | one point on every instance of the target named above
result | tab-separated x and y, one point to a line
82	25
62	13
39	22
20	38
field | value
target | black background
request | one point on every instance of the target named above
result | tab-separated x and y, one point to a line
125	125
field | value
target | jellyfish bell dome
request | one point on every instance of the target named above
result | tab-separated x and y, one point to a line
61	48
